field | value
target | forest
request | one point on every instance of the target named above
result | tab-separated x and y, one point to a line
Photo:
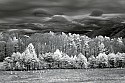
60	50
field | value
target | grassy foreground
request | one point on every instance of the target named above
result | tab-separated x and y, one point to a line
64	76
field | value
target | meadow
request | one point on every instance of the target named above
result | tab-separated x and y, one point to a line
64	76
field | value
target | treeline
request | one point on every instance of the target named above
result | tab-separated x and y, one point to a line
71	44
58	60
52	50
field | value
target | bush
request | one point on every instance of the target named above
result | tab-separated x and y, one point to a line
8	63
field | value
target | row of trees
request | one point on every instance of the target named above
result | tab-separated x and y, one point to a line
103	60
28	60
71	44
22	61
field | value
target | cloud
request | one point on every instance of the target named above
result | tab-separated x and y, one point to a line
19	9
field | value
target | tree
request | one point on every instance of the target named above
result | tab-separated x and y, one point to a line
2	50
120	60
92	61
96	13
102	60
112	59
30	53
82	60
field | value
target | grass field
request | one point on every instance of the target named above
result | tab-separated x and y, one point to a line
64	76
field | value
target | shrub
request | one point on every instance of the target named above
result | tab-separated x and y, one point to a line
8	63
6	66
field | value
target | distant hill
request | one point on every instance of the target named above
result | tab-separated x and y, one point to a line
114	31
54	23
106	25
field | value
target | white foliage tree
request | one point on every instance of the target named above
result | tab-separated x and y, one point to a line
82	60
92	61
30	53
57	55
102	60
112	59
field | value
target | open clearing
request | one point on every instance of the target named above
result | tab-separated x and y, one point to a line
64	76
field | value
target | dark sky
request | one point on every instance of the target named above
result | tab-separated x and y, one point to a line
18	10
